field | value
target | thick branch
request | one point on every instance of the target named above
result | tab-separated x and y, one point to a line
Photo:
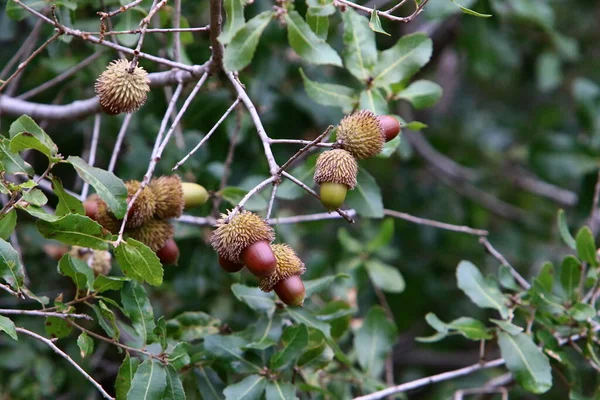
216	19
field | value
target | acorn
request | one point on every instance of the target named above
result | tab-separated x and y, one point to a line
194	195
168	196
361	134
120	90
98	260
154	233
286	276
229	266
390	126
245	237
335	172
99	212
143	208
169	253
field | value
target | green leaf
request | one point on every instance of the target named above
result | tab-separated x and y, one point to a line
586	248
582	312
240	50
360	52
526	361
86	344
26	134
302	316
209	383
67	204
139	262
321	7
546	277
35	197
349	243
104	283
366	196
75	230
106	319
37	212
436	323
570	275
563	228
228	347
57	327
384	236
80	272
389	148
139	310
374	340
403	60
480	291
471	12
416	126
249	388
174	389
317	285
329	94
375	23
179	356
507	326
110	188
421	94
385	277
149	381
373	100
307	44
234	11
280	391
7	224
294	340
125	376
255	298
470	328
318	23
233	195
12	162
11	269
6	325
506	278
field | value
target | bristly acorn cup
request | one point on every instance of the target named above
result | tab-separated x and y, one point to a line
286	279
335	172
122	91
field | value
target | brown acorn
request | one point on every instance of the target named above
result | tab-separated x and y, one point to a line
143	208
168	196
98	260
245	237
154	233
120	90
361	134
169	253
291	291
229	266
390	126
335	172
288	264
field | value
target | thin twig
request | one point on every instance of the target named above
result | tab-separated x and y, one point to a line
153	30
191	219
216	20
117	149
165	120
144	25
298	141
208	135
436	224
386	14
120	10
228	160
9	311
303	150
32	37
594	210
498	256
93	150
176	35
64	355
271	201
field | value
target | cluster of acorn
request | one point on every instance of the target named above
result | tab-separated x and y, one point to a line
358	136
148	218
243	238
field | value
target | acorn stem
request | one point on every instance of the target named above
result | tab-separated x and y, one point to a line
333	194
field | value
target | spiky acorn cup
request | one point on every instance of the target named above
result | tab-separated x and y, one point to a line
143	208
168	196
335	172
98	210
120	90
286	278
100	261
154	233
361	134
244	238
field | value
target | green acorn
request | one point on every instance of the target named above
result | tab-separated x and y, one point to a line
335	172
120	90
154	233
361	134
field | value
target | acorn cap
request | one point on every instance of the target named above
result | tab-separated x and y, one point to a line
243	229
336	166
154	233
104	216
143	208
98	260
361	134
120	90
288	264
168	196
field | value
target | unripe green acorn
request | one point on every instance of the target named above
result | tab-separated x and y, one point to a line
244	238
168	196
335	172
361	134
169	253
194	195
229	266
120	90
291	291
390	126
154	233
